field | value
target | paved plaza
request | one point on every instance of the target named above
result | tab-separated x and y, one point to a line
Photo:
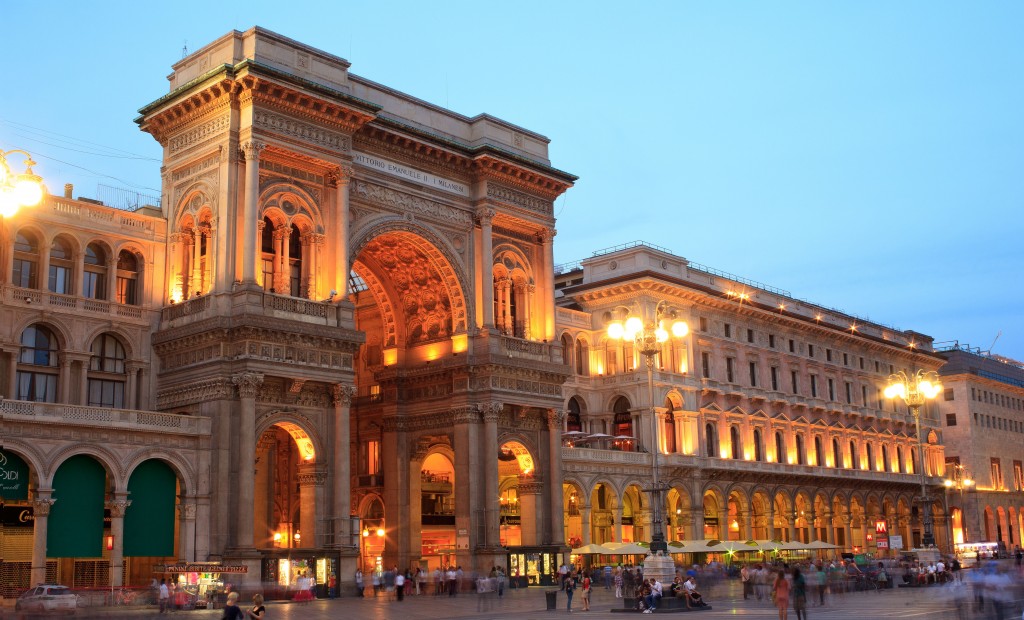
932	603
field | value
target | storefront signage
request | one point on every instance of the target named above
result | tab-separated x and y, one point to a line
896	542
410	174
206	567
16	516
13	476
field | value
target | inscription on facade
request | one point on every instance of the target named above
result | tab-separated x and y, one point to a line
408	173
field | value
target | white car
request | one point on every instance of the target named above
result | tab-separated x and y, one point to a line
48	598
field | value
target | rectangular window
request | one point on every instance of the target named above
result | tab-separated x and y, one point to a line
728	330
974	396
862	363
753	374
729	369
796	385
792	346
60	280
103	393
864	395
849	393
831	389
268	274
876	367
810	350
814	386
92	285
37	387
372	458
997	475
1018	476
828	355
948	393
951	419
703	324
775	378
750	335
24	274
771	340
705	365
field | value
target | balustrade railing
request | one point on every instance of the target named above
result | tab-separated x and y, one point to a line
101	416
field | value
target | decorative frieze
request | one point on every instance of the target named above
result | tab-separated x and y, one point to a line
519	199
292	128
401	202
199	134
343	394
196	168
196	392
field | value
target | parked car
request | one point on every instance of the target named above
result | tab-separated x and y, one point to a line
47	597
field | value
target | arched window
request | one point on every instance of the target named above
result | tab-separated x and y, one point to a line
37	365
912	462
94	280
567	351
734	439
780	448
127	278
26	260
819	456
801	454
623	418
670	430
582	359
854	457
572	419
886	465
62	267
837	455
758	445
711	440
294	263
899	459
871	457
107	375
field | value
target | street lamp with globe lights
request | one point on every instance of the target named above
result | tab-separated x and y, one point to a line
961	480
915	390
18	190
648	337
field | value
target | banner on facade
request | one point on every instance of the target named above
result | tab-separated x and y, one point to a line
206	567
13	476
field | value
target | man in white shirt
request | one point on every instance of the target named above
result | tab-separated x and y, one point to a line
400	585
164	595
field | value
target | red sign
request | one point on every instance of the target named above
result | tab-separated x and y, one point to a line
882	543
881	528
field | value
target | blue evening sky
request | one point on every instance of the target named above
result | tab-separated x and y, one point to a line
861	155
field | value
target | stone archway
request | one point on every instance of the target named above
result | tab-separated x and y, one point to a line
288	481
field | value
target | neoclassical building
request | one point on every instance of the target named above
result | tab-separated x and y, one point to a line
770	419
333	343
982	414
341	340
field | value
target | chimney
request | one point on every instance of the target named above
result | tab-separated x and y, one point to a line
68	190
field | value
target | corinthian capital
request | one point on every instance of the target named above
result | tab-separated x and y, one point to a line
555	419
485	215
545	235
251	149
248	383
343	394
41	507
340	174
118	507
491	411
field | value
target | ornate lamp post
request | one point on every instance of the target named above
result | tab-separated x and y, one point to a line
18	190
648	336
916	389
961	480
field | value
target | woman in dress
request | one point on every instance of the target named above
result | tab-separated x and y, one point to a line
781	592
258	611
585	591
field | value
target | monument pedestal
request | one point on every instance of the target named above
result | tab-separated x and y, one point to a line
660	567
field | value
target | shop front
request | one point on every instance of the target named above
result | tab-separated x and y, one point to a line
288	574
533	566
200	585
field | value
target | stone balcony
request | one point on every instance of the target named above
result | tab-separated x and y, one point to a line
254	300
34	298
20	411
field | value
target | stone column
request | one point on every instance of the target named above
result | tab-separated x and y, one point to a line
485	215
311	488
617	526
77	285
44	267
250	213
830	531
771	521
341	448
812	534
186	531
492	528
792	525
131	385
12	371
340	179
848	531
529	490
546	237
529	296
196	284
248	384
40	512
585	512
118	506
748	524
723	523
556	417
282	270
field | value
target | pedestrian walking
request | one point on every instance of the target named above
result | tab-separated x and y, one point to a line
569	585
359	582
780	594
163	596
